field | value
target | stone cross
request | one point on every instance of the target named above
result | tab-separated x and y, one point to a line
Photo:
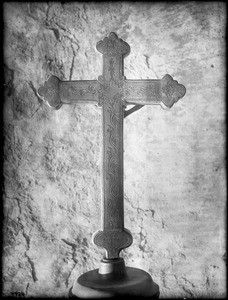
113	92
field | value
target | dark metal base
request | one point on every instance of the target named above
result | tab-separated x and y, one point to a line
133	282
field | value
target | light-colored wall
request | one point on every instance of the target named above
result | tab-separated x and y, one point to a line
174	171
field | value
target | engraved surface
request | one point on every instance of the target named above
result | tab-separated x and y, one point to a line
81	90
113	163
144	91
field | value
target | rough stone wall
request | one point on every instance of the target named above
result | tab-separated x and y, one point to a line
174	160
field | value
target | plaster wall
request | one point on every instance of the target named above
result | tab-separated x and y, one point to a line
174	161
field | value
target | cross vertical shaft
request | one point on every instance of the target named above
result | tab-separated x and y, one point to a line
112	142
113	237
112	163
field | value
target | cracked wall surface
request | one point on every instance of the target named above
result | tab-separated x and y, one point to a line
174	161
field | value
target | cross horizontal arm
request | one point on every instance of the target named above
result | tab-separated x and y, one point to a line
56	92
165	91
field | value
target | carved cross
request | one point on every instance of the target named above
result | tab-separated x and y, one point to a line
113	92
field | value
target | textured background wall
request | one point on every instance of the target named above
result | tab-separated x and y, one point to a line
174	160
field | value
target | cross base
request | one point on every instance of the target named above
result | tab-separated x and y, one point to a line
127	282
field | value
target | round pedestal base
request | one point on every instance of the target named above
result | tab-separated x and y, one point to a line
134	282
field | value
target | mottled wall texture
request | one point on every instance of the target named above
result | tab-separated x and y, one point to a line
174	167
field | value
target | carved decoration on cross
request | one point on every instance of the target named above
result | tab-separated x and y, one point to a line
113	92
